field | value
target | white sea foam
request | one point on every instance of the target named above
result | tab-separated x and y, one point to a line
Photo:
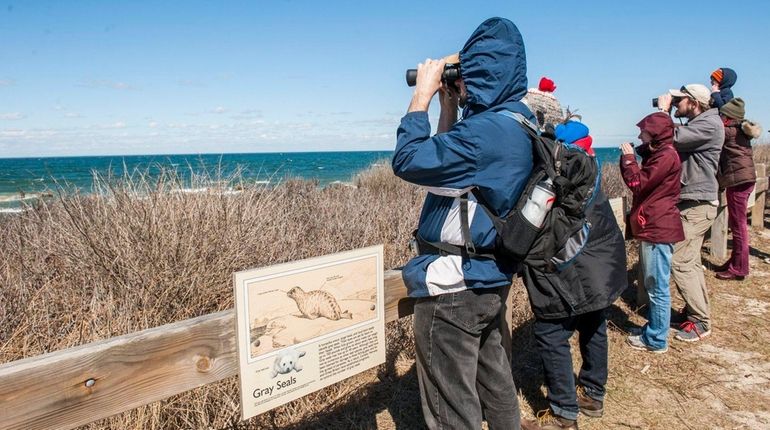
11	210
191	190
16	197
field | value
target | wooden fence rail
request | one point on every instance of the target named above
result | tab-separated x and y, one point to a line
76	386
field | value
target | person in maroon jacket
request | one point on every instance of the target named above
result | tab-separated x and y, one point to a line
736	174
654	220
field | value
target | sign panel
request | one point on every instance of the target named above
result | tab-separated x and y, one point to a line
304	325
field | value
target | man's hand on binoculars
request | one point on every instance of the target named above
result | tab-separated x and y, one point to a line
664	102
428	83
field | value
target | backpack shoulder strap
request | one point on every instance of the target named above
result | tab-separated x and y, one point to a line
543	148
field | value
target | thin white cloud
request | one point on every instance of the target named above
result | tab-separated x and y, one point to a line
113	126
6	82
152	124
103	83
73	115
191	83
11	116
219	109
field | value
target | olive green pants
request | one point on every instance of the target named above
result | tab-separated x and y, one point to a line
686	265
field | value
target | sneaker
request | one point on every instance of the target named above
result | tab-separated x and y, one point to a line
546	420
678	317
692	331
636	342
588	405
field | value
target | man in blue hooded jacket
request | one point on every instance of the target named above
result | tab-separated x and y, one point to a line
463	370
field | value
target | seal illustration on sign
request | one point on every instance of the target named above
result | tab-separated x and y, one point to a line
287	361
317	303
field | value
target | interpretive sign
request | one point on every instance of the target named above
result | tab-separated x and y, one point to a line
304	325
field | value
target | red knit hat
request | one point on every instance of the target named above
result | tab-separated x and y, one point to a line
546	85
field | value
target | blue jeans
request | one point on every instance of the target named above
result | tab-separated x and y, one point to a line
462	368
552	339
655	264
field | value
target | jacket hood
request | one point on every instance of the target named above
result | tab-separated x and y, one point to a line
659	127
752	129
728	78
493	65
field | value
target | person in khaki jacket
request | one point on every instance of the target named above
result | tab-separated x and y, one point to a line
699	143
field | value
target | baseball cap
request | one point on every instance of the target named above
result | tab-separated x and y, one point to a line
696	92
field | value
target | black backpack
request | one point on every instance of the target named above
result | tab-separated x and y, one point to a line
575	176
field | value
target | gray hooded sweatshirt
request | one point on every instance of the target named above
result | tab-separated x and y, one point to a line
699	144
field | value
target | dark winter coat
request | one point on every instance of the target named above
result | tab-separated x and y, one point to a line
655	186
596	278
736	163
725	93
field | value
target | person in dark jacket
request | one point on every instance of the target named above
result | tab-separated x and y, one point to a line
594	281
737	175
654	221
462	368
722	81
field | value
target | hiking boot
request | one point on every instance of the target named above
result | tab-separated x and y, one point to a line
637	343
588	405
546	420
692	331
721	267
678	317
728	276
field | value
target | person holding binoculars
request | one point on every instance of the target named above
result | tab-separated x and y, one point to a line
462	367
699	144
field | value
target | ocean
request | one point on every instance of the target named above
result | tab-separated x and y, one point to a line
26	179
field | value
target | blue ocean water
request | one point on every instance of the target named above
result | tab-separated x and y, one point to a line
25	179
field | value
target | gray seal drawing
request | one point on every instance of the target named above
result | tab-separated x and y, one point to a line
316	303
287	361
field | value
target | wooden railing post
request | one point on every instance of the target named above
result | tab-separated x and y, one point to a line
760	192
719	230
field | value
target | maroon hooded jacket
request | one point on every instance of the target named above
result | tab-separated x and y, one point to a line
656	186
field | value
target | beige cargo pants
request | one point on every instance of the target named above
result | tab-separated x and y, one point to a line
686	265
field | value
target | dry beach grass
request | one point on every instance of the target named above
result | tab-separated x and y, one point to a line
83	268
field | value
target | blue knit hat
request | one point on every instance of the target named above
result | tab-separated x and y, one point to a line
571	131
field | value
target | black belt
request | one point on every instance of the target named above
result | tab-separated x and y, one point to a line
444	249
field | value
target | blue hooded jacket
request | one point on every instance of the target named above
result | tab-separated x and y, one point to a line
485	150
725	93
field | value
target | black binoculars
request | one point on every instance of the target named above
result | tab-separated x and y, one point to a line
451	73
674	101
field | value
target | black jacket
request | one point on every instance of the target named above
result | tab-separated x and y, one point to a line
593	281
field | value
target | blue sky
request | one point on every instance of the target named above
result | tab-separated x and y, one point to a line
139	77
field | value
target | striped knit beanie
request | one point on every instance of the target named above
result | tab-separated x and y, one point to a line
717	75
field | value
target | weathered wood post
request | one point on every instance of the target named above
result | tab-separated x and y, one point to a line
760	193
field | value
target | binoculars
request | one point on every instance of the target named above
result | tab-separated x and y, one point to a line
451	73
674	101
